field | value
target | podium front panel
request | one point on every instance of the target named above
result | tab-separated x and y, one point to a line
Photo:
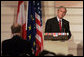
56	36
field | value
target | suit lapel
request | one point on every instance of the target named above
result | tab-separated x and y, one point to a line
57	24
62	25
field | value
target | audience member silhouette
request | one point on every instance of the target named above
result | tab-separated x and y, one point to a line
16	46
46	53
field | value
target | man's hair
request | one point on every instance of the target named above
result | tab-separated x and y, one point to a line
47	53
62	7
15	29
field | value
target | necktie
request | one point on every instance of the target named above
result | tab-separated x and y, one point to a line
60	25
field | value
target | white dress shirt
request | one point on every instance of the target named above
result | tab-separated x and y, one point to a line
58	20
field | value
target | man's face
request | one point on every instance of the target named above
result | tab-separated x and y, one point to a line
61	13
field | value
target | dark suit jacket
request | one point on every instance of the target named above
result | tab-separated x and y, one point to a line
52	26
16	47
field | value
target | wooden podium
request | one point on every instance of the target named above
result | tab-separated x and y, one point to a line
56	36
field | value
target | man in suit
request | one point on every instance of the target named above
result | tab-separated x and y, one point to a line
16	46
58	24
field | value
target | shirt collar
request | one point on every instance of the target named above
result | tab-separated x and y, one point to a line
58	19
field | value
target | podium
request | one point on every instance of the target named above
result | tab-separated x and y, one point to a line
56	36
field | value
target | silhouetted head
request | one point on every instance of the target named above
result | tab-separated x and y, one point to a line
16	29
46	53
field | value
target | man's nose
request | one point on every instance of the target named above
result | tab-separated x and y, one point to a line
62	12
